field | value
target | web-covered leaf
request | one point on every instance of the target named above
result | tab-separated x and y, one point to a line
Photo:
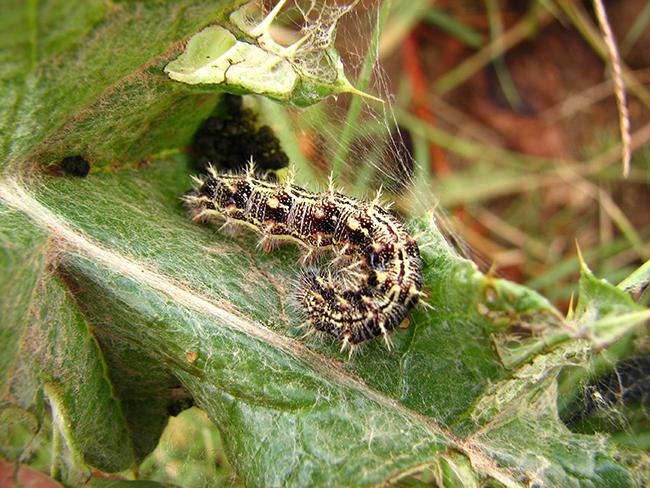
242	56
519	416
611	394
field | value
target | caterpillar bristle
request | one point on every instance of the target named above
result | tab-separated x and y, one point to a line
198	181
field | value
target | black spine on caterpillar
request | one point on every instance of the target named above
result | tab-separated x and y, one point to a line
364	300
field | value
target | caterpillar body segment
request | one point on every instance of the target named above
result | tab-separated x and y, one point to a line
353	303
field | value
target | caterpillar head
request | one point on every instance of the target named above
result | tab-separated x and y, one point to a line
227	195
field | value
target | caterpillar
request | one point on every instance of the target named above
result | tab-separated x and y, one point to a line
354	303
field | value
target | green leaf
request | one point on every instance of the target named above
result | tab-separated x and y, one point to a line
84	79
600	300
256	383
302	73
50	344
530	438
636	284
519	416
610	318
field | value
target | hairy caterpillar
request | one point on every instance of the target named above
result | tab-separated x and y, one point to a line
355	303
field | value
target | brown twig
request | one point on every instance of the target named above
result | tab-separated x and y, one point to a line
619	86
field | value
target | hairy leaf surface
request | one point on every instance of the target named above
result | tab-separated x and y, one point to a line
182	310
